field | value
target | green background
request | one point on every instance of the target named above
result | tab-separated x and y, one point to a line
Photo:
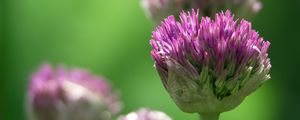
111	38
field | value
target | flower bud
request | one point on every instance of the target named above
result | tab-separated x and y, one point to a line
145	114
212	65
75	95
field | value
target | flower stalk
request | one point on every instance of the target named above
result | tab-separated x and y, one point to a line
209	116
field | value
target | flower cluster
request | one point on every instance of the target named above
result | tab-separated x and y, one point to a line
211	65
207	66
75	95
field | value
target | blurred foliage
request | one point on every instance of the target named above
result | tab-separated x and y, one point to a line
111	38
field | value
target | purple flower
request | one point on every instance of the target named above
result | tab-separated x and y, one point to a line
212	65
70	95
145	114
157	10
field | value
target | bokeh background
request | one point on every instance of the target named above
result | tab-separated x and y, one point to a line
111	38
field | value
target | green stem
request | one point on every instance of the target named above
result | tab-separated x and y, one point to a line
209	116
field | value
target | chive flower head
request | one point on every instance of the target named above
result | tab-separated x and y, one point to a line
145	114
58	94
211	65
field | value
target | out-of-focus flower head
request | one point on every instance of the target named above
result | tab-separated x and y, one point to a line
70	95
211	65
157	10
145	114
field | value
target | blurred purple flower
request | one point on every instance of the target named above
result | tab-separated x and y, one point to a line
157	10
145	114
75	95
209	66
